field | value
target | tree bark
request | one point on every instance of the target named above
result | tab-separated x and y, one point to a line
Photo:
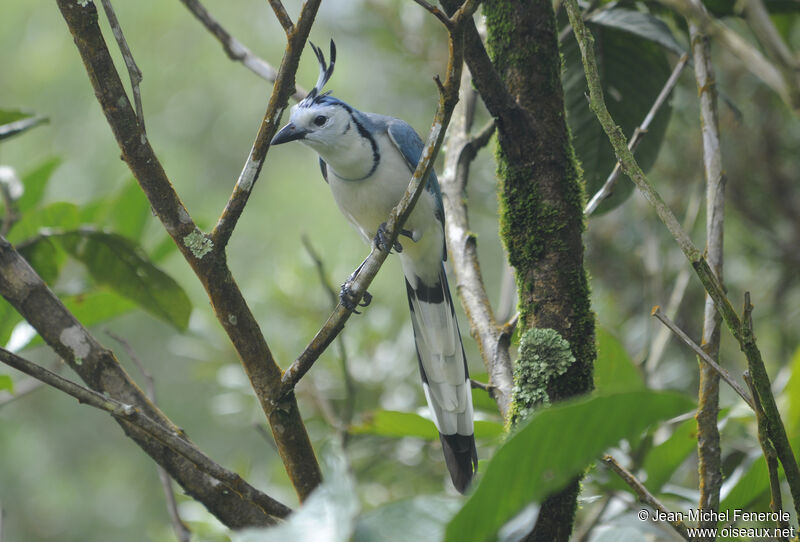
541	200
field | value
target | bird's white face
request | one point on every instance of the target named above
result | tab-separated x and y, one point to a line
319	126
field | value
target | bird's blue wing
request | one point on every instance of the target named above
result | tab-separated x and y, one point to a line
410	146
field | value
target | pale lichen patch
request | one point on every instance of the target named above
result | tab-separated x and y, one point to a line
198	244
77	341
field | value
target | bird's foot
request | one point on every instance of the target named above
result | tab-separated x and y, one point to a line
382	240
348	298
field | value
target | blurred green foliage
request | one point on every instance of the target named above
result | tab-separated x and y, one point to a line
68	473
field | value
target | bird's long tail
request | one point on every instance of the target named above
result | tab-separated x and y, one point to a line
443	367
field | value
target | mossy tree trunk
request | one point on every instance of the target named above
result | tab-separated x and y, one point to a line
541	203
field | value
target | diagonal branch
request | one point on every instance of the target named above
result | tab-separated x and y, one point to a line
134	72
206	258
235	49
740	329
284	86
448	97
646	497
173	438
608	187
282	16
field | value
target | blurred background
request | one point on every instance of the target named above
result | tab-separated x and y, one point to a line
68	473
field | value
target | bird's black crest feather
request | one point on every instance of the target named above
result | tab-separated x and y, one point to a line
325	72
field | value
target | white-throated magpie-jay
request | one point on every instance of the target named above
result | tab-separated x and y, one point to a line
367	159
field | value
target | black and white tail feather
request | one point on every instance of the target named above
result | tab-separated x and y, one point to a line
443	368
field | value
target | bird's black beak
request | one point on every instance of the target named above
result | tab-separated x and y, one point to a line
290	132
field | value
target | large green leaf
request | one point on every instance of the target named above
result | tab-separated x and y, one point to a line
550	449
125	212
614	370
119	263
753	483
389	423
633	71
14	122
35	183
9	318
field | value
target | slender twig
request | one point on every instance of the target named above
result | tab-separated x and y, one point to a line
235	49
182	531
703	271
134	72
346	415
284	86
750	57
767	34
174	440
608	187
462	245
645	496
709	453
282	15
677	293
771	457
448	97
436	12
726	376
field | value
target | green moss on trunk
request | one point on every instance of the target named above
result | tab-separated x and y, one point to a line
541	206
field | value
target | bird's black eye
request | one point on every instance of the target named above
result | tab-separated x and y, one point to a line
320	120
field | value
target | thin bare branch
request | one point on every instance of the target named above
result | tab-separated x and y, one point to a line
282	15
182	531
134	72
436	12
751	58
645	496
608	187
448	98
770	455
709	453
726	376
278	101
235	49
174	440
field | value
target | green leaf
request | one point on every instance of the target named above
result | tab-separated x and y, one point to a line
130	211
390	423
753	483
420	518
46	258
59	216
640	24
633	72
119	263
663	460
35	183
14	122
550	449
6	383
614	370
